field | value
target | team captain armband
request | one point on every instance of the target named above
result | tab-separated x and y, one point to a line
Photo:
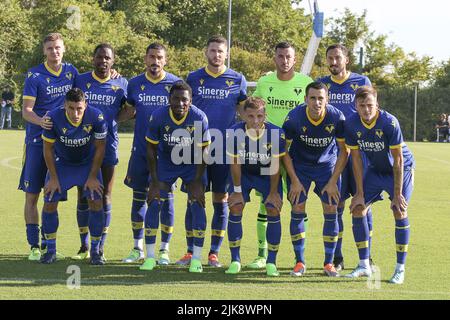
100	135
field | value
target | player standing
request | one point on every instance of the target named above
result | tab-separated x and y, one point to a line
282	91
73	150
315	131
342	85
217	91
390	167
146	93
108	95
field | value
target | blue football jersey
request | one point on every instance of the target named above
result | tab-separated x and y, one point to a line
255	153
147	95
74	142
218	95
48	89
341	94
108	95
314	142
376	140
186	135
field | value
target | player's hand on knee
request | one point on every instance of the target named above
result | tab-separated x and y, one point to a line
357	205
275	200
197	192
235	198
51	187
332	192
399	204
296	188
93	185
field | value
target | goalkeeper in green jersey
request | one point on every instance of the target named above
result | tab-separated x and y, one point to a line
282	91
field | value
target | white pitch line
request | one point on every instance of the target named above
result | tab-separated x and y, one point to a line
5	163
434	159
231	286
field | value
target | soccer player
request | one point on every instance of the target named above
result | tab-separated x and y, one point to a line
390	167
73	150
315	131
109	96
255	147
217	91
44	90
342	85
282	91
180	129
146	93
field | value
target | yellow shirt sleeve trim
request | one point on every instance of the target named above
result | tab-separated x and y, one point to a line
232	155
151	141
204	144
340	139
352	147
398	146
48	139
29	98
279	155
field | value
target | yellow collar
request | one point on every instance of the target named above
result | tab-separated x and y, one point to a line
372	124
100	79
177	122
155	81
53	72
262	130
341	81
316	123
215	75
73	123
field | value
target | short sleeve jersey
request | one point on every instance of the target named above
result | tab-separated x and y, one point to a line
281	96
47	88
255	153
376	140
217	95
107	95
74	142
313	143
341	94
147	95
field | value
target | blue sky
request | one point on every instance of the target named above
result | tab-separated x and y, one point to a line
420	26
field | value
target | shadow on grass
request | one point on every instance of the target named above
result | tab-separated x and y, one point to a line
17	271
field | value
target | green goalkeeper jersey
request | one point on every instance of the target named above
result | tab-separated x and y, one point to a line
281	96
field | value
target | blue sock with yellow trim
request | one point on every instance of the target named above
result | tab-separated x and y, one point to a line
83	223
297	229
152	221
198	223
107	212
330	236
167	216
138	210
188	228
33	235
96	224
402	239
361	235
370	225
273	237
50	223
338	251
235	235
218	225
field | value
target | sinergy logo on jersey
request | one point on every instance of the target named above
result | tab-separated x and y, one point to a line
213	93
150	99
316	142
55	92
370	146
103	99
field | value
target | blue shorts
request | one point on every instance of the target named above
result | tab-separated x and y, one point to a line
70	176
261	184
34	169
138	175
348	184
375	183
169	174
218	177
319	175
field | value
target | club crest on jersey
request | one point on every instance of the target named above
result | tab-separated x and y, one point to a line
88	85
328	85
142	87
48	80
267	146
167	128
201	81
359	134
168	87
115	88
329	128
298	91
229	82
87	128
354	86
190	129
69	75
26	183
379	133
64	130
304	129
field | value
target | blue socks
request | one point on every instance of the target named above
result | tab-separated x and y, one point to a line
361	235
218	225
50	223
297	229
235	236
138	210
402	239
273	237
330	236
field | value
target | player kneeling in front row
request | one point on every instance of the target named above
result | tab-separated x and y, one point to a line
177	136
377	134
255	147
73	151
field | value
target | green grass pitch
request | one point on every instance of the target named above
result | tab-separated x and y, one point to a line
427	276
